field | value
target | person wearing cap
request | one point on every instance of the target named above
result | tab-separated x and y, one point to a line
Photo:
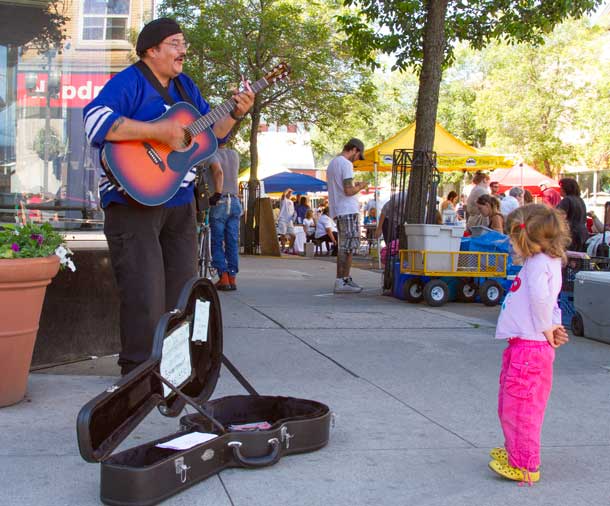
152	248
345	209
550	196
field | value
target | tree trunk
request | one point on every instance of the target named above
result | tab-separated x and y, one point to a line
427	105
249	233
547	167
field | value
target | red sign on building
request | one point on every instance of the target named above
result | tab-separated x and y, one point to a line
74	90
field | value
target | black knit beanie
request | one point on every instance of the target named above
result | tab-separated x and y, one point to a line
154	32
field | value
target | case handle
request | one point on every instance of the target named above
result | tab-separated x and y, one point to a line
265	460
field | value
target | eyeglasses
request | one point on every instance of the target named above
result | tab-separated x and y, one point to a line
177	45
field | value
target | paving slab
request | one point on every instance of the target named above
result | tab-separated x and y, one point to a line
413	389
416	477
460	390
68	481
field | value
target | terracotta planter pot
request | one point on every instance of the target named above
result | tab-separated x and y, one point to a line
23	283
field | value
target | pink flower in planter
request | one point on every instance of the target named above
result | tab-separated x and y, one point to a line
15	247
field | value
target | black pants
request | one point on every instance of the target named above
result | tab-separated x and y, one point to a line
153	251
385	230
329	242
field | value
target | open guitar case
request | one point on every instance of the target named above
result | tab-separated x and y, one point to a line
183	369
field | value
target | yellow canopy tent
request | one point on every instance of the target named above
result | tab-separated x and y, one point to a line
451	153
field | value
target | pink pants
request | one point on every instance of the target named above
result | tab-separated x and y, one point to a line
525	384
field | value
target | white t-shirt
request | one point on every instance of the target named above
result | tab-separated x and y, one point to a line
324	222
308	225
339	204
286	210
508	205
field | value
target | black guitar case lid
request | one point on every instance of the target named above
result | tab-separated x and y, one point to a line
183	368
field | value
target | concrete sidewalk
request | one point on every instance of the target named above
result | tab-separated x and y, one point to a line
414	390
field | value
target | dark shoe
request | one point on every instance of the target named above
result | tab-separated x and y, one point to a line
232	282
223	283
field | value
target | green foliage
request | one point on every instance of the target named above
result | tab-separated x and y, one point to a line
28	241
375	113
477	22
531	96
234	37
591	116
53	31
55	147
458	94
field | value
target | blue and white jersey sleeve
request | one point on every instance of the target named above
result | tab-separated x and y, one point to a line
113	101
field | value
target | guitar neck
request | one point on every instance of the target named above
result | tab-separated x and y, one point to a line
221	111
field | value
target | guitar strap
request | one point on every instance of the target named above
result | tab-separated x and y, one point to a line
152	79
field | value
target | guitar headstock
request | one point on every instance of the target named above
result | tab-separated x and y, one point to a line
278	73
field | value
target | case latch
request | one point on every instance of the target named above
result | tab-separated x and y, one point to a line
181	468
285	436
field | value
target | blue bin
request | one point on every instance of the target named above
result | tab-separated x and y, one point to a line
566	304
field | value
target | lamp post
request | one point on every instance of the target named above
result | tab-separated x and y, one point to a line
51	90
53	79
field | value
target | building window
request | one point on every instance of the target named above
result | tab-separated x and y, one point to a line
105	19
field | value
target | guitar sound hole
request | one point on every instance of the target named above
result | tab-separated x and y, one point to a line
187	138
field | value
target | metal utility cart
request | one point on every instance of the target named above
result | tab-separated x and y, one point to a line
428	274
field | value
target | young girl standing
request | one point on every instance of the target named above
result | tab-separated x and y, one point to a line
531	322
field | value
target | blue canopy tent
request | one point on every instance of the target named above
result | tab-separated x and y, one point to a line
299	183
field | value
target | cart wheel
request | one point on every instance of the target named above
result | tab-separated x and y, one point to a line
578	326
413	290
436	292
466	291
490	292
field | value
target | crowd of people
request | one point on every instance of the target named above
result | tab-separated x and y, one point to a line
485	206
292	211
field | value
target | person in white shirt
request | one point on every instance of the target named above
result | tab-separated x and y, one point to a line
285	223
309	225
345	209
326	230
512	201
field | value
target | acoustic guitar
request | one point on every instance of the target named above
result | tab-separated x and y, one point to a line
152	172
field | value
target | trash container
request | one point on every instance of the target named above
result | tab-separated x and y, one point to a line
435	238
592	318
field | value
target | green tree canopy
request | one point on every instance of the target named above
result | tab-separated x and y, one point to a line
234	38
231	38
423	34
543	102
477	22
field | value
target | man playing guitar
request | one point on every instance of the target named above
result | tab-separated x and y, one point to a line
152	248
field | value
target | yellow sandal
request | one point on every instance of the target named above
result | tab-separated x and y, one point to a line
499	454
514	473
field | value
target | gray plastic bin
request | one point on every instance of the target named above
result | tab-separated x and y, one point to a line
592	304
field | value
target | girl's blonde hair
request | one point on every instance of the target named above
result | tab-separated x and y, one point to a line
309	213
537	228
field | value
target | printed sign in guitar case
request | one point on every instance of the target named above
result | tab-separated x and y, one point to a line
247	431
151	172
